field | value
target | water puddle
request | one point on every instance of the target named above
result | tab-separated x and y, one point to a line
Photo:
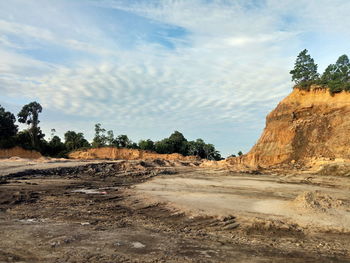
90	191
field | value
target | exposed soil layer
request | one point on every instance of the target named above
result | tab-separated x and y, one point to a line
305	125
93	213
19	152
114	153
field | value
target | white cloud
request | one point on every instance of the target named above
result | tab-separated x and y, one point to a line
230	64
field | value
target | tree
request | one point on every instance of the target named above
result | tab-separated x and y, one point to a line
329	74
23	139
196	148
7	124
122	141
343	68
147	145
54	148
337	76
56	143
179	143
75	140
8	129
133	145
203	150
164	146
176	143
305	69
100	138
211	153
110	137
53	133
240	153
30	115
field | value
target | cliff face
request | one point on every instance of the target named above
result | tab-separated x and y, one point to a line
305	125
126	154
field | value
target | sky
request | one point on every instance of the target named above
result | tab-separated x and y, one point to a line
209	69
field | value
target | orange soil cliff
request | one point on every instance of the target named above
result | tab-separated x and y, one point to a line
126	154
305	125
19	152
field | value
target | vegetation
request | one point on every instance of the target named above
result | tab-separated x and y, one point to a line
147	145
336	77
305	69
74	141
32	138
30	116
8	128
240	153
100	138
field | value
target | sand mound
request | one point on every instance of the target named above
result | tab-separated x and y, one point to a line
316	201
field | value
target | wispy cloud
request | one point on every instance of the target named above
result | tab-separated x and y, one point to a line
206	67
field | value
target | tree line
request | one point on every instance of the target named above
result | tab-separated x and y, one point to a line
336	77
33	138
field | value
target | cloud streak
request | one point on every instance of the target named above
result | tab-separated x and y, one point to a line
209	68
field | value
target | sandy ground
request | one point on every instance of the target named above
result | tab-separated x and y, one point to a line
164	212
204	192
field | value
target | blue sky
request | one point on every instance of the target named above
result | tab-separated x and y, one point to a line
210	69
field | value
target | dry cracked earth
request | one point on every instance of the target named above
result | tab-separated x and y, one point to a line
158	211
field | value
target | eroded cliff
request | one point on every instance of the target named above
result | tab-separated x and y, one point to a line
126	154
306	125
19	152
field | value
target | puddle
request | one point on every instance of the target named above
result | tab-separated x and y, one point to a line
90	191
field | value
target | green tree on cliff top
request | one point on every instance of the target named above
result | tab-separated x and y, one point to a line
305	69
337	76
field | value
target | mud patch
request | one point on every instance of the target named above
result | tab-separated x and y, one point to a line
10	198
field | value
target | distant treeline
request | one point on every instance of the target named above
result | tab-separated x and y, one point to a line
336	77
33	138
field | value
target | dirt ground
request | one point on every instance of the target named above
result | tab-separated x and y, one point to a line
161	211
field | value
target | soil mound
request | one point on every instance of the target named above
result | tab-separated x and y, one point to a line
335	169
316	202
